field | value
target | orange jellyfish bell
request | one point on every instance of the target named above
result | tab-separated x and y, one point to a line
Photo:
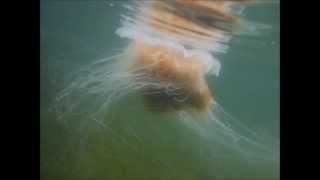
169	67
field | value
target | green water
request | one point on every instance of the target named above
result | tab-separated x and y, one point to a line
137	144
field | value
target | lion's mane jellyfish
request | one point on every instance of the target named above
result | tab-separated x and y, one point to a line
172	47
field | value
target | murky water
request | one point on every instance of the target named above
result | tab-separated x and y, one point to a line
132	143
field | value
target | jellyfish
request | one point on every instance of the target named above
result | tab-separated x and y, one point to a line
171	50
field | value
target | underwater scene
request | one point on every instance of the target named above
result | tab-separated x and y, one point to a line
159	89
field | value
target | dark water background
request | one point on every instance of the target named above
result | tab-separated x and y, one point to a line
138	144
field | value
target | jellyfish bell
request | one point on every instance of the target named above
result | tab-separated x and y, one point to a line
181	82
